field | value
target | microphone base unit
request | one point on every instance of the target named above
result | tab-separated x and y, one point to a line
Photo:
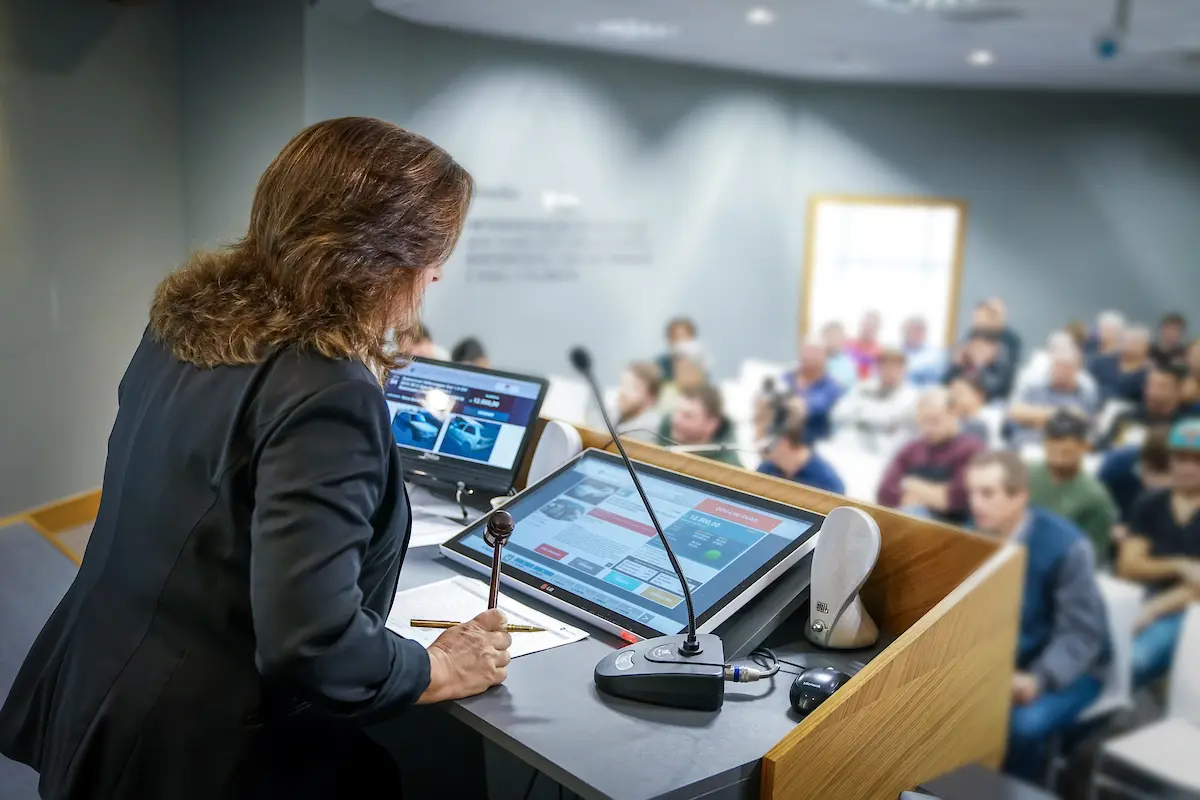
656	671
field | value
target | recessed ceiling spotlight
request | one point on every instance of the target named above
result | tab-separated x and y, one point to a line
981	58
632	30
760	15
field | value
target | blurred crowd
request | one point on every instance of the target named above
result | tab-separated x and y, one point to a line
1086	450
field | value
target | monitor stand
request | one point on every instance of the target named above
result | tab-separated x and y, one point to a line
758	619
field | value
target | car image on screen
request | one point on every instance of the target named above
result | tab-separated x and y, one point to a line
470	438
415	427
466	433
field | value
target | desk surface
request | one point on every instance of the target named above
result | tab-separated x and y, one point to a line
549	714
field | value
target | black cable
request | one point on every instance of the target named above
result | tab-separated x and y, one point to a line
532	780
792	664
765	657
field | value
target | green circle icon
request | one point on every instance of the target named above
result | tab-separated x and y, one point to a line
712	555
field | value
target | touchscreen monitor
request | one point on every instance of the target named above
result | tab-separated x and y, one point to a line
583	536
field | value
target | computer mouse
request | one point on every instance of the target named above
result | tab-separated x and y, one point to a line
814	686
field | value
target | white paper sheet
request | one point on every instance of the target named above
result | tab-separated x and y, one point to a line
461	599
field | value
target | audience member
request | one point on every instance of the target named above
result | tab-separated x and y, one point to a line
1191	384
1122	375
926	363
1078	331
811	383
926	478
991	316
1161	406
841	365
1163	552
790	455
1062	388
1059	483
1168	349
968	401
689	370
1127	472
699	419
881	409
1037	371
637	415
679	330
1062	644
865	349
424	347
1106	340
1012	342
982	360
772	409
470	351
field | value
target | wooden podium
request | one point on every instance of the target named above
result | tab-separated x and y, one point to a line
935	699
938	697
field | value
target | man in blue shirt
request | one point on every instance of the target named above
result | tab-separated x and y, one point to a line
1062	645
812	384
841	367
791	456
926	363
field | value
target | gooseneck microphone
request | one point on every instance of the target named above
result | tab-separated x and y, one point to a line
499	530
664	670
581	359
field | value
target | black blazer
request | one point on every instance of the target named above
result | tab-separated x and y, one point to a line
225	634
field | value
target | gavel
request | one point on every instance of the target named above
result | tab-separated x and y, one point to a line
499	529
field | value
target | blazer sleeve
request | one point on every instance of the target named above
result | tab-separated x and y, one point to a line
319	478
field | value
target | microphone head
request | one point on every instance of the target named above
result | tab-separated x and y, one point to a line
581	359
499	527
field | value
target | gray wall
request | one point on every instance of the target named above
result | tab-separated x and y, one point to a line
127	136
1076	202
90	219
242	99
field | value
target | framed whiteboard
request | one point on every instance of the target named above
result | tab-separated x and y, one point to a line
900	256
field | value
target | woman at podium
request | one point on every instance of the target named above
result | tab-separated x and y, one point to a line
225	634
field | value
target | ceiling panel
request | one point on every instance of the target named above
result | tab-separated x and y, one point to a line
1048	44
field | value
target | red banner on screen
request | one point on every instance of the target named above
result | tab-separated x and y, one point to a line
742	516
624	522
550	552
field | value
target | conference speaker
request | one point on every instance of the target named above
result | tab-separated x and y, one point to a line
846	552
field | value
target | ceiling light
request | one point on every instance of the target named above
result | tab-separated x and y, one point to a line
981	58
632	30
761	15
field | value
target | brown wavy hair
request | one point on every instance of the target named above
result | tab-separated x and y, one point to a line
344	221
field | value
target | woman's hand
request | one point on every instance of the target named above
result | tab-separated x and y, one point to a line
469	658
